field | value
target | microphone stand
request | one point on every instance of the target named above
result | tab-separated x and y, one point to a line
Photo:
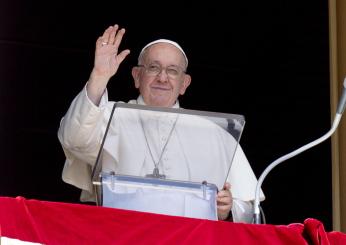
340	110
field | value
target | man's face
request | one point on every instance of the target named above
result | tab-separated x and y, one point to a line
161	79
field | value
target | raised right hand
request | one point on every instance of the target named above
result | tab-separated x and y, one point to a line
107	61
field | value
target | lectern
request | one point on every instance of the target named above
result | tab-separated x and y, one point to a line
165	160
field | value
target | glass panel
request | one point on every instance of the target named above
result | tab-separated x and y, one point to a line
168	143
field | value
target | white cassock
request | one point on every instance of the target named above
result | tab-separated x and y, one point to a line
168	142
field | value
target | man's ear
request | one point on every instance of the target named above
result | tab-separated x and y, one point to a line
186	83
135	74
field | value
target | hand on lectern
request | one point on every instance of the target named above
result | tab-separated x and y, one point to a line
224	202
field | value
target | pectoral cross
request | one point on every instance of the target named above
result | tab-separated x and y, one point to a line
156	174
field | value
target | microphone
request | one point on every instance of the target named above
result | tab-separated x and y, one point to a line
339	111
342	102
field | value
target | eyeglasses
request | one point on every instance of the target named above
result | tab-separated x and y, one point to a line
154	69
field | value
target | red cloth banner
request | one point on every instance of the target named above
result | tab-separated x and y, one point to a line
64	223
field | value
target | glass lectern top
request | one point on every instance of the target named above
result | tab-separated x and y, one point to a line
169	143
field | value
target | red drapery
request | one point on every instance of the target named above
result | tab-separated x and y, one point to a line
64	223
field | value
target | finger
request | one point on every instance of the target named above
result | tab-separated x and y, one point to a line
224	193
227	186
224	201
100	42
224	209
106	33
123	55
112	34
119	37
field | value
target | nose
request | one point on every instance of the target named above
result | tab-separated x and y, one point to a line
163	76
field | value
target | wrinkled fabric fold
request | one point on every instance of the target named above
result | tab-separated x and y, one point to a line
64	223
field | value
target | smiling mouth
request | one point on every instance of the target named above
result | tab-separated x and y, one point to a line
160	88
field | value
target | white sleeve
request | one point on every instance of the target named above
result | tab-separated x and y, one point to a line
82	125
242	178
242	211
243	187
80	134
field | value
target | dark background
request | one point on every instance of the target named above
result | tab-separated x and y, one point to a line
268	61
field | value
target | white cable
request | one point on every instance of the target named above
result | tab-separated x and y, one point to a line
284	158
